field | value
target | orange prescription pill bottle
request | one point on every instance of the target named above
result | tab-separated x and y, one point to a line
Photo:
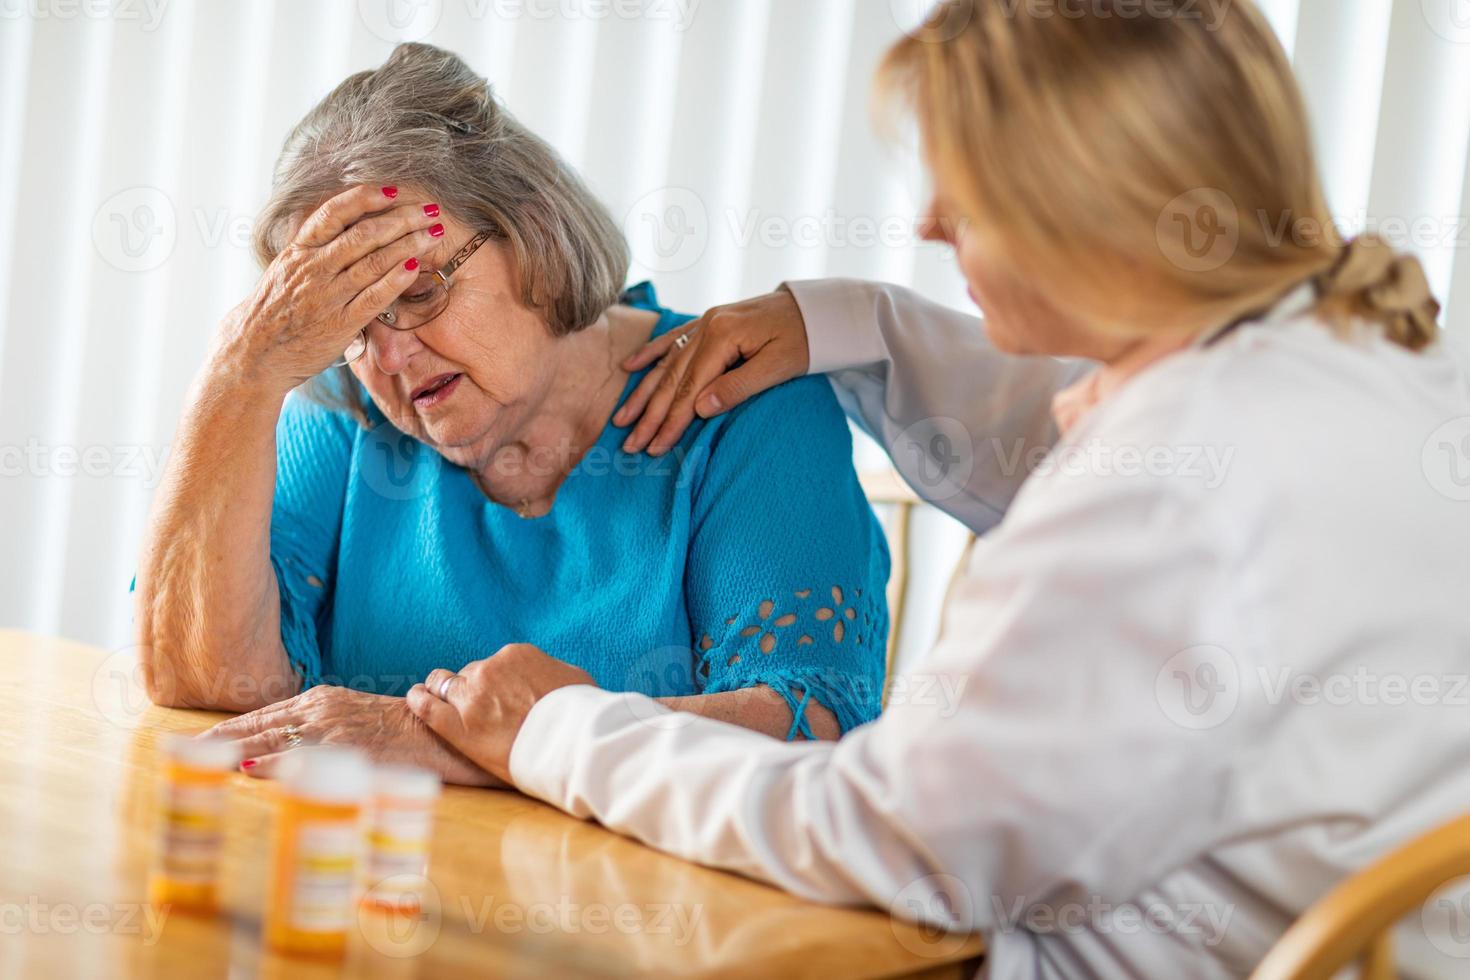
398	843
193	792
312	899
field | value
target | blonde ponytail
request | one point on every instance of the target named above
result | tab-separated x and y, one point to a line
1373	283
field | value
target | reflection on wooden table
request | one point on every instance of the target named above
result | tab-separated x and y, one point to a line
518	888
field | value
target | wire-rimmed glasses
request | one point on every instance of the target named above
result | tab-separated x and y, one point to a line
419	303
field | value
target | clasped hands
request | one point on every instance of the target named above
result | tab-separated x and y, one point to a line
459	724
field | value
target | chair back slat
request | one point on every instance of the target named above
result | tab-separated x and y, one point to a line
1354	922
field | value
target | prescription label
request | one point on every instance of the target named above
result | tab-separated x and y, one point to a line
400	842
399	854
192	831
326	865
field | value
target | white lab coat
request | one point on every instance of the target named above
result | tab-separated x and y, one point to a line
1211	661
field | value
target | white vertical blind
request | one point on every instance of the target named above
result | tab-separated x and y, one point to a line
778	228
60	168
135	151
710	162
1284	16
1340	57
1419	160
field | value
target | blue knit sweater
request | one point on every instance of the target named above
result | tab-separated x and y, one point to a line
747	555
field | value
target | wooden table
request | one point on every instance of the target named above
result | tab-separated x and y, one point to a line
522	889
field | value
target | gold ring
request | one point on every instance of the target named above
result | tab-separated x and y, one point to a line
292	735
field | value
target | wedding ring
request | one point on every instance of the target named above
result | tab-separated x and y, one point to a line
292	735
444	686
681	341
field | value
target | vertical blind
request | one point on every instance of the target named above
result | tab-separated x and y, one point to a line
732	137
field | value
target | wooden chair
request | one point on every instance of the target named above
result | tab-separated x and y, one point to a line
1354	922
895	503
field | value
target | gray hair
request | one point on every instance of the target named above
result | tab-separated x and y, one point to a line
425	118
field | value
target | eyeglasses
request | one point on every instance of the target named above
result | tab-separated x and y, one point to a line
419	303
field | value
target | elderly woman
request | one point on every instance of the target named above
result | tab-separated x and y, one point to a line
456	483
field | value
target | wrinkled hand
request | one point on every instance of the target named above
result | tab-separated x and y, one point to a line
379	725
766	332
347	263
484	705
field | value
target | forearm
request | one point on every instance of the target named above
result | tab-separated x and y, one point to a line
771	811
208	608
962	420
758	708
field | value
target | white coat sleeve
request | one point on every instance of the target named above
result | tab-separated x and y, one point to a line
962	422
1027	755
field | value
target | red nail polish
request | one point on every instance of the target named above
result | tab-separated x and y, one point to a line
249	763
411	264
437	231
390	191
432	210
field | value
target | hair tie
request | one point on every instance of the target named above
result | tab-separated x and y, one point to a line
1372	281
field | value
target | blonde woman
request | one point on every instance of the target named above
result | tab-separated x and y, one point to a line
1191	695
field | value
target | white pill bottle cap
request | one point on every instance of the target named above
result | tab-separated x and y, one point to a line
328	774
402	782
212	754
